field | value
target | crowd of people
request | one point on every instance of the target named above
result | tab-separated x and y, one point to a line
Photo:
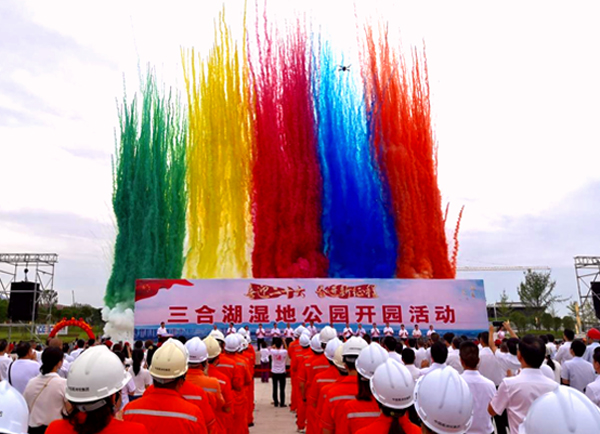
341	383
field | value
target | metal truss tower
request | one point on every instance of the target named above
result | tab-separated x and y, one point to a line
587	270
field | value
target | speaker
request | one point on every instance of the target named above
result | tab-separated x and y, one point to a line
22	301
595	287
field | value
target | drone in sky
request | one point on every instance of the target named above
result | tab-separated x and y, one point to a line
345	68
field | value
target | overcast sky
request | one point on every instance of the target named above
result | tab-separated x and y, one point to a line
515	100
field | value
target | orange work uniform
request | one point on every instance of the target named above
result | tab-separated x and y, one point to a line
199	398
212	388
164	410
301	380
328	376
382	426
226	412
227	365
343	390
354	415
294	349
318	364
61	426
250	355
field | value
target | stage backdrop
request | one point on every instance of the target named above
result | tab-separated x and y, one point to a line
191	307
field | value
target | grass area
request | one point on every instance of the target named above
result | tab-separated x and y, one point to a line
22	333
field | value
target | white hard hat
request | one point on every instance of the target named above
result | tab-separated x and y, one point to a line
97	373
338	359
232	343
243	342
304	340
328	333
218	335
444	402
299	330
392	384
565	410
212	347
353	346
370	358
170	361
14	414
243	332
197	350
315	344
332	345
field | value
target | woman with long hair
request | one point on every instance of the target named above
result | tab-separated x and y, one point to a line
140	375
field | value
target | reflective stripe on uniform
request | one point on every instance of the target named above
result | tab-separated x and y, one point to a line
337	398
162	414
240	363
209	390
364	414
193	397
326	380
321	367
222	381
225	366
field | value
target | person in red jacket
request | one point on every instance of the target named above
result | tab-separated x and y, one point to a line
232	364
214	353
163	407
94	392
301	373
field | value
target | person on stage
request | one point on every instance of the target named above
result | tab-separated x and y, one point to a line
360	331
388	331
347	333
275	332
416	332
288	334
403	333
312	329
162	331
260	336
430	331
231	330
375	333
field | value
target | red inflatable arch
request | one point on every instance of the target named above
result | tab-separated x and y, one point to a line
72	322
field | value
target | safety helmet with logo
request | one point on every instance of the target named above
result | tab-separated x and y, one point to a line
243	332
330	348
212	347
218	335
97	373
304	340
338	359
328	333
169	362
243	343
14	414
370	358
232	343
565	410
353	346
197	350
299	330
444	402
392	384
315	344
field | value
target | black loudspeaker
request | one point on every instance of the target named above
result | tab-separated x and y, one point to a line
22	300
595	287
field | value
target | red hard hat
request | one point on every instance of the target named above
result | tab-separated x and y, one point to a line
594	334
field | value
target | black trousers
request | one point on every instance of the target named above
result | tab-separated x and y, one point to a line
278	381
38	430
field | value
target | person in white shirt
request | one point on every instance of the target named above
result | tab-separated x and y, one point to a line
439	354
388	331
594	338
24	368
64	369
390	344
275	332
5	360
553	366
360	331
402	333
288	334
141	376
551	345
162	332
482	389
564	352
231	330
576	372
516	394
45	393
430	331
80	348
260	335
420	354
264	362
375	333
348	332
416	333
408	358
489	366
508	361
592	390
454	356
312	329
278	359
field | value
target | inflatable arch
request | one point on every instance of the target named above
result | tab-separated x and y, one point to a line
72	322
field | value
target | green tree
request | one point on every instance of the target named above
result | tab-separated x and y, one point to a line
557	324
503	309
568	322
536	292
547	321
520	321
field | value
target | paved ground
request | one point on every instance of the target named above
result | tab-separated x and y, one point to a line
267	418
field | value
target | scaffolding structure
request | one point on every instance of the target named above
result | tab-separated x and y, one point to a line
36	267
587	270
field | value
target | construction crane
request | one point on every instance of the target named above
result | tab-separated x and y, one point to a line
505	268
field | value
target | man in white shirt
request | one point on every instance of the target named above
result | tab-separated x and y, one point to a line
551	345
593	337
275	332
408	358
576	372
564	352
348	332
592	390
260	335
430	331
230	330
375	333
24	368
5	360
453	355
516	394
278	359
288	333
390	343
482	389
416	333
508	361
312	329
489	366
439	354
388	331
420	354
360	331
403	333
80	347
